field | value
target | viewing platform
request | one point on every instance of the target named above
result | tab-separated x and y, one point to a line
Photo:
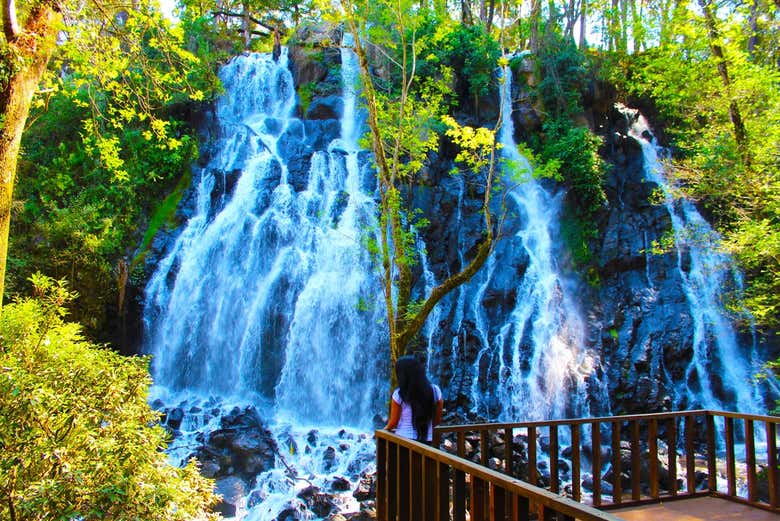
691	465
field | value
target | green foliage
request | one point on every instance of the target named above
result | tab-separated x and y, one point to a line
476	144
683	79
78	438
468	49
165	212
581	166
77	216
570	154
564	75
107	138
305	93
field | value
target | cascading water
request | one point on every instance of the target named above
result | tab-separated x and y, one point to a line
265	296
720	373
538	351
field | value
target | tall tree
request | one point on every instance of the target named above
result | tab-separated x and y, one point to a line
122	61
401	133
27	48
737	123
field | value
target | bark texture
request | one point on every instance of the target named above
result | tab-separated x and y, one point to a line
34	43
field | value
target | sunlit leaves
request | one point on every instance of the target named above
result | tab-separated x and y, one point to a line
475	144
79	440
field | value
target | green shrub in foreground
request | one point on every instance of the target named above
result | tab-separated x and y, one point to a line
77	438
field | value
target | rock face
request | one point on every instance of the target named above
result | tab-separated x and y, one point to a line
241	449
636	316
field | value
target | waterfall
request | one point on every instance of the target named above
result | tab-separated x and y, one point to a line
268	291
720	373
537	351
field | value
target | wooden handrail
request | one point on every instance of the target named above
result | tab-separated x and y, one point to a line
634	438
387	474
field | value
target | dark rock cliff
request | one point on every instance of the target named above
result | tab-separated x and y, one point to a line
636	315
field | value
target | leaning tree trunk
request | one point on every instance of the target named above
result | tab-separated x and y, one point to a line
737	123
35	44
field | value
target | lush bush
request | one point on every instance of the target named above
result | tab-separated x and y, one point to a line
77	437
581	167
74	218
469	51
106	140
564	74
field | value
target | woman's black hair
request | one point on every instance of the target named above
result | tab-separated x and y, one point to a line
416	390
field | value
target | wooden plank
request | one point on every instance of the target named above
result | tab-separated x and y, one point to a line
536	496
443	495
712	462
520	508
576	463
555	481
430	488
392	481
581	421
750	461
508	463
498	503
381	479
771	455
484	447
596	464
508	450
617	486
417	487
671	444
532	456
636	464
461	444
690	456
479	499
731	472
459	496
652	450
404	483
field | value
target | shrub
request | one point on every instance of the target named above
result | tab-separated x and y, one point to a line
77	438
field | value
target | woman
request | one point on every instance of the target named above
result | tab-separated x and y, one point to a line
417	404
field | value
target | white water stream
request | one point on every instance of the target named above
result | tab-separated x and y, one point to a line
268	296
705	270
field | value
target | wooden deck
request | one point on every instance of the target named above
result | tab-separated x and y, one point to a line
695	509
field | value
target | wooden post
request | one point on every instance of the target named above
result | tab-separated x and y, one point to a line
617	485
652	445
576	462
596	442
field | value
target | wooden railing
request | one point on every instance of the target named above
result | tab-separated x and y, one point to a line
416	482
648	457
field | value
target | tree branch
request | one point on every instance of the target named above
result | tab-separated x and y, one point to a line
251	19
10	25
443	289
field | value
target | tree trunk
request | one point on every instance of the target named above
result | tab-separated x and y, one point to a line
35	43
246	26
571	18
536	9
465	12
753	25
740	134
491	12
583	24
624	25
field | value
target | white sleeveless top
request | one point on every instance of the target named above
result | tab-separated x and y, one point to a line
405	427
